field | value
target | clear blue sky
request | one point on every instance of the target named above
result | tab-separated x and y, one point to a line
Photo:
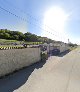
33	12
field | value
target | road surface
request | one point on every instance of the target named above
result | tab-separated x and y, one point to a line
61	74
58	74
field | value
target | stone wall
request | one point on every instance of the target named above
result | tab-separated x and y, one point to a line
14	59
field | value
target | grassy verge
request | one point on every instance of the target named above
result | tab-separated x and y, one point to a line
72	48
10	42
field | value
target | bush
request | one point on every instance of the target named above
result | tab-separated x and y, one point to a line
44	56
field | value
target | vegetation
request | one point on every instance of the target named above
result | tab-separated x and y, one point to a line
72	45
8	37
15	42
44	56
19	36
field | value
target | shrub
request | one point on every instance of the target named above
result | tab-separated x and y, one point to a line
44	56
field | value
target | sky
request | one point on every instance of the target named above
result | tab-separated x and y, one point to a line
56	19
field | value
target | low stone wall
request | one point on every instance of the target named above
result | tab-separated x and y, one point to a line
14	59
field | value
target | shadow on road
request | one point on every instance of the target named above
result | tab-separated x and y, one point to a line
63	53
14	81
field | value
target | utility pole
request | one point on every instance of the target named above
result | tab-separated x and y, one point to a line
68	41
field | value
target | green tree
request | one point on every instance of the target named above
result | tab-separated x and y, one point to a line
1	35
6	35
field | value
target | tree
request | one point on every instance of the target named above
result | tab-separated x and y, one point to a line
31	37
6	35
16	37
1	35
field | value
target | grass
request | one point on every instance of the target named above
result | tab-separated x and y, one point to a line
9	42
72	48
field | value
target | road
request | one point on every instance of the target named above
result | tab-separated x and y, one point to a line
16	80
57	74
61	74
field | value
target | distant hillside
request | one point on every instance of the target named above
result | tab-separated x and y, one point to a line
16	35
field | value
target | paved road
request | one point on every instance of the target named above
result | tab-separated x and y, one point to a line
61	74
16	80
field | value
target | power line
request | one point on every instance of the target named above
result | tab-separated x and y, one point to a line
17	8
23	19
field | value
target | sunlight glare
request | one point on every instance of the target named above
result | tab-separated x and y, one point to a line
55	18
